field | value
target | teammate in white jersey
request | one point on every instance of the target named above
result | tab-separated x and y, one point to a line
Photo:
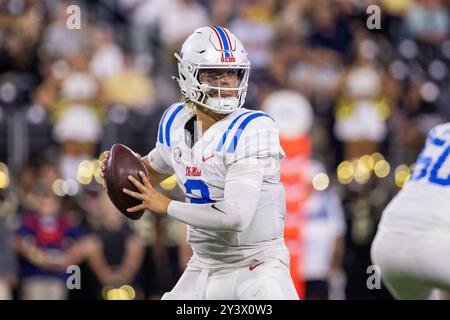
412	245
226	159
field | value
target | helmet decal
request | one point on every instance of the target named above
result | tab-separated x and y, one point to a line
225	44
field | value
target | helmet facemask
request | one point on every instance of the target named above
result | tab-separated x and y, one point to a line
220	88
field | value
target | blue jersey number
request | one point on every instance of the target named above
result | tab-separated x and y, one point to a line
425	163
191	185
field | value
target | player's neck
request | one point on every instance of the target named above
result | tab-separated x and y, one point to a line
207	118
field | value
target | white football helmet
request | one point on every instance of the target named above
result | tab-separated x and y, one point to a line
210	49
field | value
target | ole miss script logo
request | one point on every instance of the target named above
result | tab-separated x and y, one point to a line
192	171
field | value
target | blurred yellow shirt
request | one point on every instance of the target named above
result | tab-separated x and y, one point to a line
129	88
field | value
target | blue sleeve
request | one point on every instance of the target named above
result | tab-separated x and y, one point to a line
75	233
24	231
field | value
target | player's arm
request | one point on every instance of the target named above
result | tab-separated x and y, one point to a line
155	176
243	184
235	212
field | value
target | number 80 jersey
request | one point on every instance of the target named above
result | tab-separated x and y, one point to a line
201	170
425	198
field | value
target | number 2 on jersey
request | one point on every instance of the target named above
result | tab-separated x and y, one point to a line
191	185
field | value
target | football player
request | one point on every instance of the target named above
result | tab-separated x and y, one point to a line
412	244
226	159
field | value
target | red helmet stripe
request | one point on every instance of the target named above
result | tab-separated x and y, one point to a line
220	40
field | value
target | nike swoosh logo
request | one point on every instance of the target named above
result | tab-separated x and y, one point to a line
214	207
255	265
207	158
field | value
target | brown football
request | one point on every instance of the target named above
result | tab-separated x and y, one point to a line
123	162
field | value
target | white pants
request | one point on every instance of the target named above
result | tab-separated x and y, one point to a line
5	290
43	288
413	263
263	280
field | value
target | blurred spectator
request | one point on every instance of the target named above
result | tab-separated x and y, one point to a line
46	94
419	115
287	55
129	87
107	58
428	21
329	30
325	230
79	92
362	106
316	75
8	267
221	12
59	41
119	251
170	252
19	66
166	249
252	26
291	20
43	236
172	31
144	17
363	205
26	179
393	13
165	16
47	171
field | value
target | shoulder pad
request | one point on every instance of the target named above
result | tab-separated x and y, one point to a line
252	133
165	124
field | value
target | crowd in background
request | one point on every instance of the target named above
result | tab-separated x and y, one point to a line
68	94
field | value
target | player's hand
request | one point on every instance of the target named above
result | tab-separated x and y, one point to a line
151	199
105	156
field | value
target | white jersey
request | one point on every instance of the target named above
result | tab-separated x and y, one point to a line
424	201
201	173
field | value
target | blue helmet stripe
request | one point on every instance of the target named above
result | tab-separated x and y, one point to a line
225	134
170	121
241	128
223	37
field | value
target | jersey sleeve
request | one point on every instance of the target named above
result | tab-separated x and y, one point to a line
243	184
159	157
255	136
